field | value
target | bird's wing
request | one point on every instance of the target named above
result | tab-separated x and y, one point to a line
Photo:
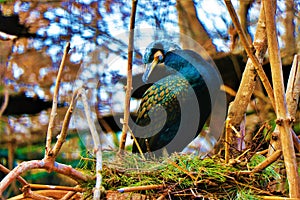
162	94
159	114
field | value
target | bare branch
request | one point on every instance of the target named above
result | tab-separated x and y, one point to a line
293	88
40	164
283	122
19	178
250	49
248	83
5	103
63	134
54	104
129	76
267	162
97	144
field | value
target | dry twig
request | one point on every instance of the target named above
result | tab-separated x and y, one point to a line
54	104
129	76
249	49
269	160
293	88
238	106
97	144
139	188
5	103
63	133
283	121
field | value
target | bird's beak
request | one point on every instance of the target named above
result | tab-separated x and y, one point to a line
158	56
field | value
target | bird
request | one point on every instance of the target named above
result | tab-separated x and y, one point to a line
176	107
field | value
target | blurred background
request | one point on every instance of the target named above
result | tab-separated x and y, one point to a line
98	33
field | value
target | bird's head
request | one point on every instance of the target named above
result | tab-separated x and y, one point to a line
155	53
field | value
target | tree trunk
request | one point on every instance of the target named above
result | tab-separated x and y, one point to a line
289	36
190	25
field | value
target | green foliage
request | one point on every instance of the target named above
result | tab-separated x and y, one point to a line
268	130
269	172
4	1
246	194
297	127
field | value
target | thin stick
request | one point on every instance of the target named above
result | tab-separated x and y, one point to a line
63	134
292	95
97	144
249	50
129	76
5	103
228	134
55	99
55	187
139	188
183	170
238	107
70	194
136	142
283	122
267	162
41	164
28	193
296	140
19	178
293	88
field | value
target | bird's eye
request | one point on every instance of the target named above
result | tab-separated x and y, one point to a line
158	56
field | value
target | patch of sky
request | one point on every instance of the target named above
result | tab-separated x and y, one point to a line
113	46
66	86
49	15
87	17
43	71
41	31
65	22
214	21
77	41
54	50
19	49
17	71
76	28
18	127
78	83
94	68
76	57
75	11
88	33
87	2
37	44
54	29
60	12
86	74
22	6
29	93
40	92
44	118
117	64
280	32
221	44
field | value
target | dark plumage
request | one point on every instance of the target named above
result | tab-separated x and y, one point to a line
176	105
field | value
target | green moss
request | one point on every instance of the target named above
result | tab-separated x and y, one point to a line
209	177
